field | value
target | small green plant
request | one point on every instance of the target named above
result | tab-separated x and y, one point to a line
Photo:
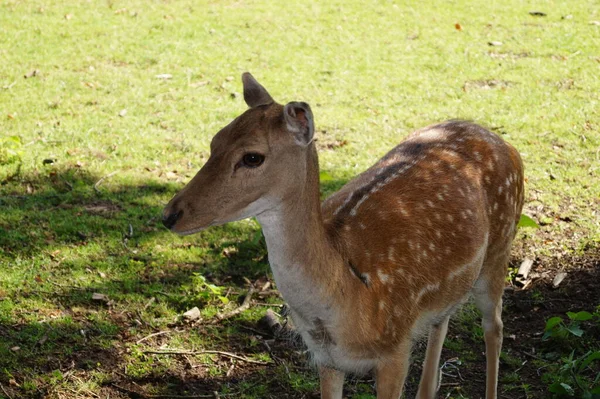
575	377
10	150
10	156
206	291
556	327
526	221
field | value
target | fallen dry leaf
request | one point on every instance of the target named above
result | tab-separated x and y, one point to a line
199	84
458	26
99	297
32	74
192	314
171	175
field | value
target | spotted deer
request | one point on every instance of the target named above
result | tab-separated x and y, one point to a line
386	259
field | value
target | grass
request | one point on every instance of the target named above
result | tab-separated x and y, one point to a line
93	143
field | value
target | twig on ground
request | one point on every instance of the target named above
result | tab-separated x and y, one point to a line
254	330
6	393
245	305
272	305
99	182
531	355
152	335
73	287
205	352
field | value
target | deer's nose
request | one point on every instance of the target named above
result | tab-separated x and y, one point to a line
170	219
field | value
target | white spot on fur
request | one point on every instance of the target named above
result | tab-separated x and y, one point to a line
382	276
450	217
404	212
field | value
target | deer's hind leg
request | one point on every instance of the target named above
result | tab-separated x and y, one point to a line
487	293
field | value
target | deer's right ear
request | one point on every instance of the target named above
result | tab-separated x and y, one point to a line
254	93
299	121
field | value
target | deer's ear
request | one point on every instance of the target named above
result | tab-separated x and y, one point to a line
254	93
299	121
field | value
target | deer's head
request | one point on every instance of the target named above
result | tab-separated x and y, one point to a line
255	163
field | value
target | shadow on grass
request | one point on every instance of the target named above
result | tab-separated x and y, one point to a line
57	224
65	218
41	212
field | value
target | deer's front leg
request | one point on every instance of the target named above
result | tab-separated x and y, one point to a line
390	375
332	383
430	376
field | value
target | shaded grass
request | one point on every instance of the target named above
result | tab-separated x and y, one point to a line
102	144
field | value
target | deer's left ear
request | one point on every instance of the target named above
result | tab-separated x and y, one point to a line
299	121
254	93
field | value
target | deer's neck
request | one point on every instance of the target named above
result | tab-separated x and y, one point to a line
306	267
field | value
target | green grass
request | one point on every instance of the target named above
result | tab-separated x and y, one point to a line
94	144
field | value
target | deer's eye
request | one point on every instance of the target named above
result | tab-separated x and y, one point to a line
253	160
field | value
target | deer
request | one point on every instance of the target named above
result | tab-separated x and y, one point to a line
385	260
